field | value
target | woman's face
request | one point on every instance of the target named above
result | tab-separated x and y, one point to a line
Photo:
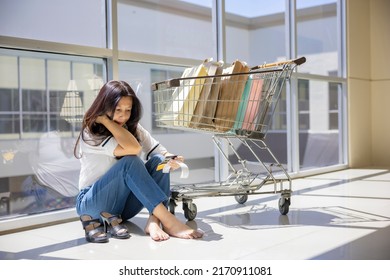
123	110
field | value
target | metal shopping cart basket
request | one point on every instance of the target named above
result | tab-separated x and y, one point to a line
234	108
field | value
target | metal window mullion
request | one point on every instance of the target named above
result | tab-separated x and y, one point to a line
112	39
47	96
342	42
20	100
292	90
342	65
344	123
221	170
292	124
291	30
219	29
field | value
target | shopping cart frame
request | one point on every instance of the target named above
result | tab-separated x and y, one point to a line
241	182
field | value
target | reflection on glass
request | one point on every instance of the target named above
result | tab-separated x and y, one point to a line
318	123
169	28
54	182
255	31
277	135
10	125
317	36
34	100
74	19
39	120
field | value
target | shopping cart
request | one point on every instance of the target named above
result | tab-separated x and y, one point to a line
237	110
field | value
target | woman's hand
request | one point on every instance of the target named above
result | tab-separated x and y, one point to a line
175	162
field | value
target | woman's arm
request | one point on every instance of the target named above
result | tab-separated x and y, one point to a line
127	143
152	146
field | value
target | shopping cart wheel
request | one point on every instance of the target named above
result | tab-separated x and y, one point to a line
172	205
284	205
190	210
241	198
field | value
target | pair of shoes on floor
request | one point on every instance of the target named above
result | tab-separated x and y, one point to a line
96	233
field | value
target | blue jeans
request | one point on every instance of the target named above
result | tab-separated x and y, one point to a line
128	187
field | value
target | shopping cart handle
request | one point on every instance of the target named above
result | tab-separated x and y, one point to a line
297	61
166	84
300	60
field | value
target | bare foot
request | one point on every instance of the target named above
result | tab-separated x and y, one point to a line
181	230
173	226
154	230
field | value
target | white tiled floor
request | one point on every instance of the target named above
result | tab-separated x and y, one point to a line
338	215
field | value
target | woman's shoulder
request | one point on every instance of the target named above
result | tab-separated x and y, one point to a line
142	132
91	138
87	135
140	127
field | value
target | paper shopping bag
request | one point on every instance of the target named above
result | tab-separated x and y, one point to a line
186	96
230	95
253	104
205	108
243	105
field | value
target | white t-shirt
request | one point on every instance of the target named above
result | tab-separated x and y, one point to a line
97	160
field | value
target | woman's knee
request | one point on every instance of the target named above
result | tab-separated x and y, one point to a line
131	161
157	158
154	161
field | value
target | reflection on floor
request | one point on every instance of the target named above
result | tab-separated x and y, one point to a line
338	215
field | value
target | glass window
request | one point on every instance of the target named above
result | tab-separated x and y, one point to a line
9	100
67	22
163	28
255	31
43	96
10	123
334	97
318	37
319	123
303	104
159	75
41	110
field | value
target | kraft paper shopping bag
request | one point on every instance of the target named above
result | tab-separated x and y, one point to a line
230	94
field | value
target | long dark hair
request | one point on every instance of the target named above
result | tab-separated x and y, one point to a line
105	103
